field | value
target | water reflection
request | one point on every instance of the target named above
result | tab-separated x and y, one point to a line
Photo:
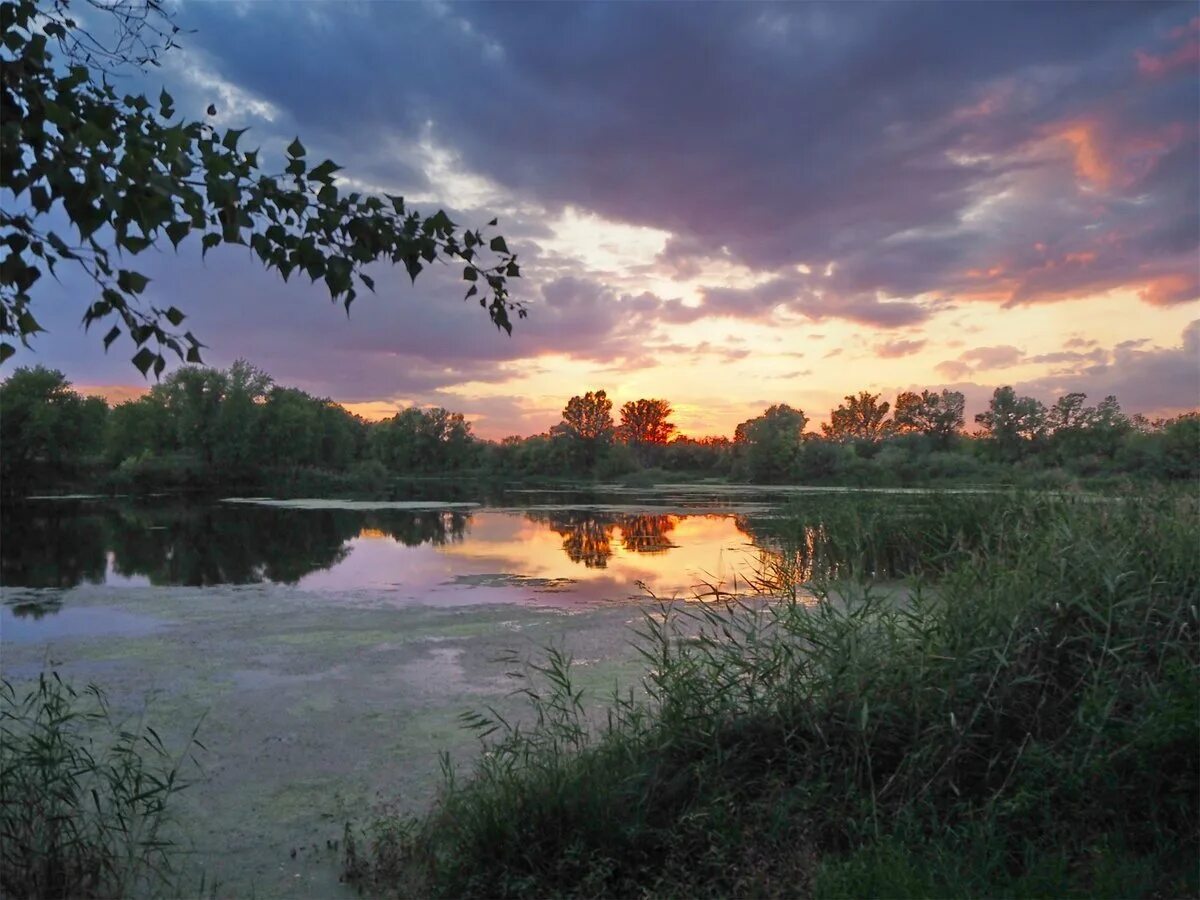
589	552
587	537
61	545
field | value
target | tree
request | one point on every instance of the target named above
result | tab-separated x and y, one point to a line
1012	423
861	417
587	425
46	428
937	416
416	440
128	174
645	424
772	442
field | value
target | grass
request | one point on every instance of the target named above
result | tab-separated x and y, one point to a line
83	796
1021	722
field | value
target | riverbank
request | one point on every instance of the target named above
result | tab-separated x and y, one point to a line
1027	726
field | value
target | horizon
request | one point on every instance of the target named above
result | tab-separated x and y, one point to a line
726	207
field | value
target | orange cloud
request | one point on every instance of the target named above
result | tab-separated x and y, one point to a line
1090	164
1167	290
1185	56
1106	159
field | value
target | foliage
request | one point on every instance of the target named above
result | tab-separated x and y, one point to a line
772	443
938	416
645	425
587	426
235	429
127	173
418	440
46	429
1027	725
862	417
83	797
1013	424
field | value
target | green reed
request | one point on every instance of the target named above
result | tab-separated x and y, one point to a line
1019	719
83	795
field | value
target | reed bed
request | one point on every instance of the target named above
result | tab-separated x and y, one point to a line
1019	720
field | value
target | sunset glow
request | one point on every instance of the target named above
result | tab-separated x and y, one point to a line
727	206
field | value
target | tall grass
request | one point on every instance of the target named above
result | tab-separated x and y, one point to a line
1022	722
83	795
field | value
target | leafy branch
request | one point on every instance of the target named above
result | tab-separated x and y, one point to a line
126	173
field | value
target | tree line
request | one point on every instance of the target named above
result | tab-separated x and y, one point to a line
207	427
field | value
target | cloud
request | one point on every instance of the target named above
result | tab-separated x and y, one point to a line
797	296
980	358
889	139
898	348
1155	380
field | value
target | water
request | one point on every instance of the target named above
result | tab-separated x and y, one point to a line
529	546
329	651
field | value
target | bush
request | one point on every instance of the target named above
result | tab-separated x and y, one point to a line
1023	722
83	797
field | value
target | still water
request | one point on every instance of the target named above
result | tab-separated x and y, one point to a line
549	548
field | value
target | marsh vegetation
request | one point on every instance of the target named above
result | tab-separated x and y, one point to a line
1023	722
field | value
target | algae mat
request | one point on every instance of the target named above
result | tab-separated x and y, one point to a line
315	707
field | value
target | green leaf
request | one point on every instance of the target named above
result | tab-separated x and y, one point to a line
27	323
469	274
6	350
39	198
324	172
498	245
212	109
177	231
143	359
131	282
175	317
210	240
193	355
295	148
231	138
113	334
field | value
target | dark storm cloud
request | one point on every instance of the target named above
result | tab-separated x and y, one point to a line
933	153
860	133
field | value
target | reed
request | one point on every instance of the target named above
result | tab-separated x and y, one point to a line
83	795
1021	719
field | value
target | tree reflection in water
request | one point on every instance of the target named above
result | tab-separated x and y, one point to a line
588	535
64	544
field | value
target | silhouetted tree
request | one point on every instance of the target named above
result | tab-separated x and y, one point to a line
1012	424
645	424
861	417
937	416
46	428
587	425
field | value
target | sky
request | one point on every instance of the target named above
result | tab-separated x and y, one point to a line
723	205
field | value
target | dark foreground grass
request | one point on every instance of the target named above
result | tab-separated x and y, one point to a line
1023	723
83	797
